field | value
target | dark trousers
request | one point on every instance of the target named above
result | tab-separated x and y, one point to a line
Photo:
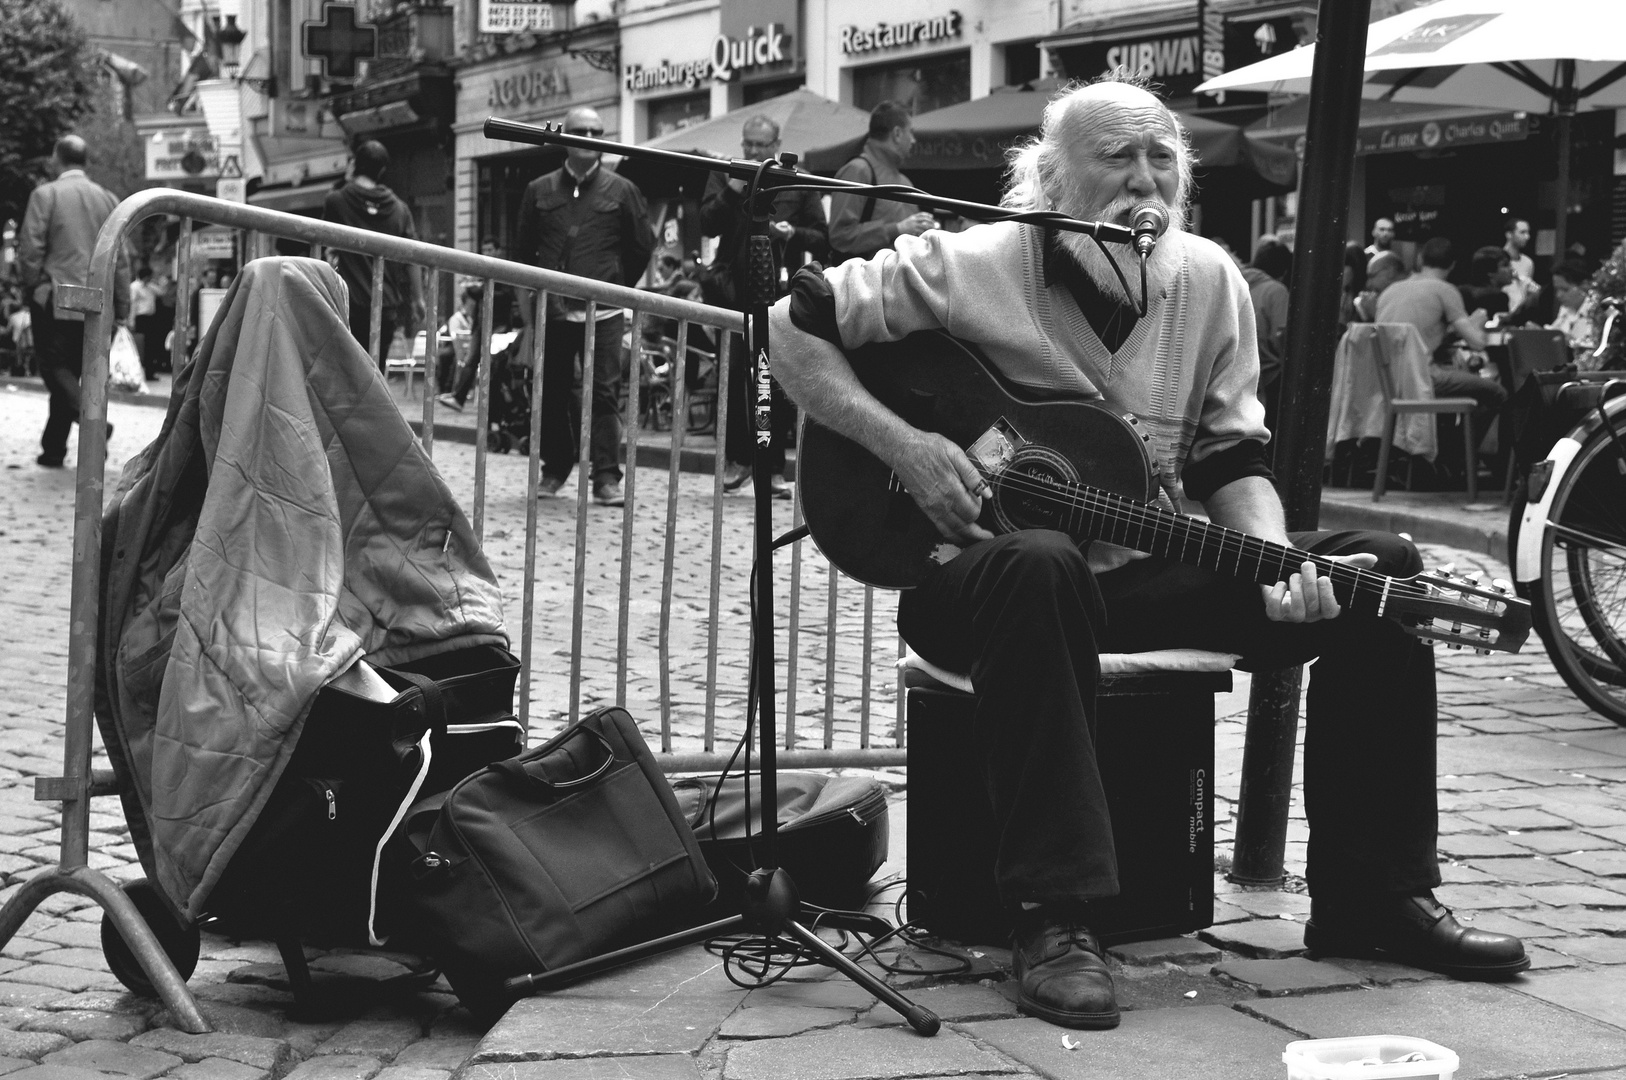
59	346
740	447
151	342
561	407
361	325
1026	618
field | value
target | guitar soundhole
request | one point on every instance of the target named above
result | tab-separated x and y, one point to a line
1034	491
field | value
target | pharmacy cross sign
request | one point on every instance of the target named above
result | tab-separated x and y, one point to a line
339	41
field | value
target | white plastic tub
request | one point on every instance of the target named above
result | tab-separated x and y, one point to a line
1369	1057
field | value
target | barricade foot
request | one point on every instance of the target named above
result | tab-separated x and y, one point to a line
137	934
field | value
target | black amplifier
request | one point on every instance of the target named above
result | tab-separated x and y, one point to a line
1155	744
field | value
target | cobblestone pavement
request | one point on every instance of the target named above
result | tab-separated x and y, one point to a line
1533	834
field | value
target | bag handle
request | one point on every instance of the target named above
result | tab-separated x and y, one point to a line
514	768
434	701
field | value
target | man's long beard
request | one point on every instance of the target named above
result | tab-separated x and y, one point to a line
1090	258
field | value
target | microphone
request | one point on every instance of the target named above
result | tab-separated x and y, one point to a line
1150	221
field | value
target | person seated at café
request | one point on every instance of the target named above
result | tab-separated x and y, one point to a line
1490	271
1382	270
1431	303
1575	318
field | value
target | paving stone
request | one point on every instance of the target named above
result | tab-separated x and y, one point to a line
438	1052
30	1044
11	1065
1497	1031
56	1072
1379	972
877	1053
1581	920
1597	863
828	993
1560	895
1485	753
1562	841
119	1058
1272	903
1524	819
779	1021
617	1013
372	1038
1481	897
1529	870
647	1067
79	1026
337	1067
218	1069
1295	975
67	979
245	1049
235	1020
1263	938
74	935
1497	922
1596	992
1180	950
1599	950
1208	1042
412	1072
1543	959
962	1002
1480	845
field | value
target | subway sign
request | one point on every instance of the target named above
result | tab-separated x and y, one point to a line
730	57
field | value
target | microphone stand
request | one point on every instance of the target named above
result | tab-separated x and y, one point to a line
771	901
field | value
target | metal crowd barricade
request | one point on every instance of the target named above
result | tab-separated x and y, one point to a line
690	737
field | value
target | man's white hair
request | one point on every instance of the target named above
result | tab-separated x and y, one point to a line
1039	165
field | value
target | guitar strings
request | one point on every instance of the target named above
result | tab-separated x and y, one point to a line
1230	541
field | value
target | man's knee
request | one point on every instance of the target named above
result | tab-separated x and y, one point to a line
1397	556
1039	558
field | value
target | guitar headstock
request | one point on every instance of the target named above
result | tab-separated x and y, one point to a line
1460	612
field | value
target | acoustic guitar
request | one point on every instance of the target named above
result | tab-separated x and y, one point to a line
1080	468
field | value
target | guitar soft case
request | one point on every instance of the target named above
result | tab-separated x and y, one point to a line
832	835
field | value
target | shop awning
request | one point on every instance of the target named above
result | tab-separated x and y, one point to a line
293	200
825	133
1393	127
976	134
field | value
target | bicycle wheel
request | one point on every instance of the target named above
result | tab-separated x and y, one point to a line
1580	601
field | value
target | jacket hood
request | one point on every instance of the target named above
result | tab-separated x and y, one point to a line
368	202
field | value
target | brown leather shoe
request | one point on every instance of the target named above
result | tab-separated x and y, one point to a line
1414	930
1061	971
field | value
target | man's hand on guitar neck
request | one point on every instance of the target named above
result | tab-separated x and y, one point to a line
1295	601
944	484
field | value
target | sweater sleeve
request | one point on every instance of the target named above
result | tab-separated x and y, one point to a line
899	291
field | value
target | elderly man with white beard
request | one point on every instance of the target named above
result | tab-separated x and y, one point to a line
1026	613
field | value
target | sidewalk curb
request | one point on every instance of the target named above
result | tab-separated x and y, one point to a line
1422	528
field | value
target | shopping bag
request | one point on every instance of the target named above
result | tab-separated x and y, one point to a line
124	363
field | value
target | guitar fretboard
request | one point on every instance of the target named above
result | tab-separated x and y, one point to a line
1093	514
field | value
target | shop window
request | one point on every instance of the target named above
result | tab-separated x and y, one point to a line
667	115
762	91
920	85
1021	62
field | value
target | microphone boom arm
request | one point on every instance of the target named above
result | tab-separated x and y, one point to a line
782	176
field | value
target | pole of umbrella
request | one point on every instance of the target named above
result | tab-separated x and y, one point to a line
1564	100
1306	391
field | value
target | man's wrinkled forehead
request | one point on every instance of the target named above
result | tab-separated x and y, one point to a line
1110	126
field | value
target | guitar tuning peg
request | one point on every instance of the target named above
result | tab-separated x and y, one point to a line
1447	570
1482	652
1503	586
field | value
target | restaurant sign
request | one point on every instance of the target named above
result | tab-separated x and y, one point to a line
730	57
1417	135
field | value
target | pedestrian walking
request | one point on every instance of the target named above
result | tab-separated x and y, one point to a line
53	250
583	219
859	224
144	320
798	230
365	203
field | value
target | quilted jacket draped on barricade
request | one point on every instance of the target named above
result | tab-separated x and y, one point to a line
283	524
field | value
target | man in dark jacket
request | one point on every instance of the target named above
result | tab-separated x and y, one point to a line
797	228
583	220
365	203
54	247
1266	276
860	225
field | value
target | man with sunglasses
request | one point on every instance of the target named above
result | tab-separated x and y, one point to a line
584	220
797	228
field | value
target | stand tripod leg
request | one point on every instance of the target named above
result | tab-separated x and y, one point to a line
921	1019
558	977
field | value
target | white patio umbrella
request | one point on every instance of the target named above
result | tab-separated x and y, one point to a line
1538	56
